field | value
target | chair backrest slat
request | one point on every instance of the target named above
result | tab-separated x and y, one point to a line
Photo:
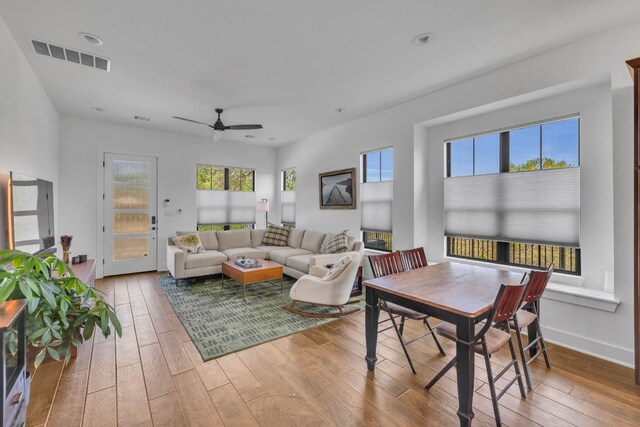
507	302
385	265
537	284
413	258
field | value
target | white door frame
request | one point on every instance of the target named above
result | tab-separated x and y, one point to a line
101	205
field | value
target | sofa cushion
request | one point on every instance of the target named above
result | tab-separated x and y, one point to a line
189	243
269	249
234	239
248	252
300	262
350	242
295	237
275	236
280	255
204	259
256	237
209	240
335	243
312	241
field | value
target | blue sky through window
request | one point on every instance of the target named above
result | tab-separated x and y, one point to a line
560	141
487	152
524	145
462	157
379	165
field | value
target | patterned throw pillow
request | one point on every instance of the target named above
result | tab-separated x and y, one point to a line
336	244
337	268
275	235
189	243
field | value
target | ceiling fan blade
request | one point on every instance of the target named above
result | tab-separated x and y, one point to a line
243	127
192	121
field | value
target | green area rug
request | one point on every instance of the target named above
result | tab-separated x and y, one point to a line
219	322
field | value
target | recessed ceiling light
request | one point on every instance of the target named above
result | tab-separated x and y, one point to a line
249	136
272	139
100	109
341	110
422	39
90	39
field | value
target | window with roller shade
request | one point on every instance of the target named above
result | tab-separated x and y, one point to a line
288	197
513	196
376	199
226	198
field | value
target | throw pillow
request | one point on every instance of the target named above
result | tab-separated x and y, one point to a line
275	235
337	268
335	244
189	243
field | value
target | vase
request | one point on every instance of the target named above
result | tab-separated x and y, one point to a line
65	256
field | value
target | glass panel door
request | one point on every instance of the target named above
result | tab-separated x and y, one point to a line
130	214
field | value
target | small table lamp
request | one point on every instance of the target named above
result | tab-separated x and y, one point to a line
263	206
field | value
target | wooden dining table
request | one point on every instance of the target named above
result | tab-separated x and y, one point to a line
457	293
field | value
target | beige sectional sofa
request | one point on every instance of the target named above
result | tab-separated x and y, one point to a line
302	252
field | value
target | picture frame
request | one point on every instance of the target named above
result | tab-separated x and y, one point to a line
338	189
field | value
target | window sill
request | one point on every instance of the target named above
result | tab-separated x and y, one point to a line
564	287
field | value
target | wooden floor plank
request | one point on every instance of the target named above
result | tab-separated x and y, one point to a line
210	372
231	408
144	330
133	406
43	389
101	409
166	411
102	373
242	379
177	358
68	406
268	413
196	404
127	347
156	371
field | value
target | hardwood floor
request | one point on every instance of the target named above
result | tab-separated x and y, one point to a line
154	375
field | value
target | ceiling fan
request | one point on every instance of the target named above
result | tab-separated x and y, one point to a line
218	127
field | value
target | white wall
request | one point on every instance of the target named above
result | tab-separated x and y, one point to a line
28	125
82	147
608	335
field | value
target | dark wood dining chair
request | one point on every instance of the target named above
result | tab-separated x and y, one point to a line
528	315
413	258
490	337
385	265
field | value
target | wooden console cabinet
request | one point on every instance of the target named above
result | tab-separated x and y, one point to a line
85	271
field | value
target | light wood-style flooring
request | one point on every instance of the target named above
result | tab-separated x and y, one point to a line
154	375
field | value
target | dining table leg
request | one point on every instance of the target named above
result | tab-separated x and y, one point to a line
465	356
372	312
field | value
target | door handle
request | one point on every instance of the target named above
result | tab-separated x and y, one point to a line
153	219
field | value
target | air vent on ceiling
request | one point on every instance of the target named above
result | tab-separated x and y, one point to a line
71	55
142	118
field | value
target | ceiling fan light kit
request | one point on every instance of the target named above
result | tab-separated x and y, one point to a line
219	127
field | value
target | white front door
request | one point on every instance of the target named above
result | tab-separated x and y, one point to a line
130	228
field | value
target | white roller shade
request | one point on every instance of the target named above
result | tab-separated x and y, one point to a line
226	207
288	199
533	207
376	203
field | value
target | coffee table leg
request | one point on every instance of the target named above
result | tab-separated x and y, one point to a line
221	280
244	293
281	283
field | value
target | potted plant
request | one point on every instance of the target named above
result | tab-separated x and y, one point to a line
62	311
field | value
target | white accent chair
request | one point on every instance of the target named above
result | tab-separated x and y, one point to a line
311	289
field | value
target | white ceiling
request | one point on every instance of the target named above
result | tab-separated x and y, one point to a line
285	63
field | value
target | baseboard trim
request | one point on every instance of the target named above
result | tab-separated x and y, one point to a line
619	355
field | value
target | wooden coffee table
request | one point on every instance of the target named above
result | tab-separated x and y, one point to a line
247	276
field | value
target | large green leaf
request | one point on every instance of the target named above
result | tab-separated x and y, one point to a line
6	289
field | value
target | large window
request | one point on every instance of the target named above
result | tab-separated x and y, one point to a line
288	197
513	197
226	198
376	199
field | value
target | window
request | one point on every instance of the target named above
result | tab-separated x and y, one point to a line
288	197
376	199
511	218
226	198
